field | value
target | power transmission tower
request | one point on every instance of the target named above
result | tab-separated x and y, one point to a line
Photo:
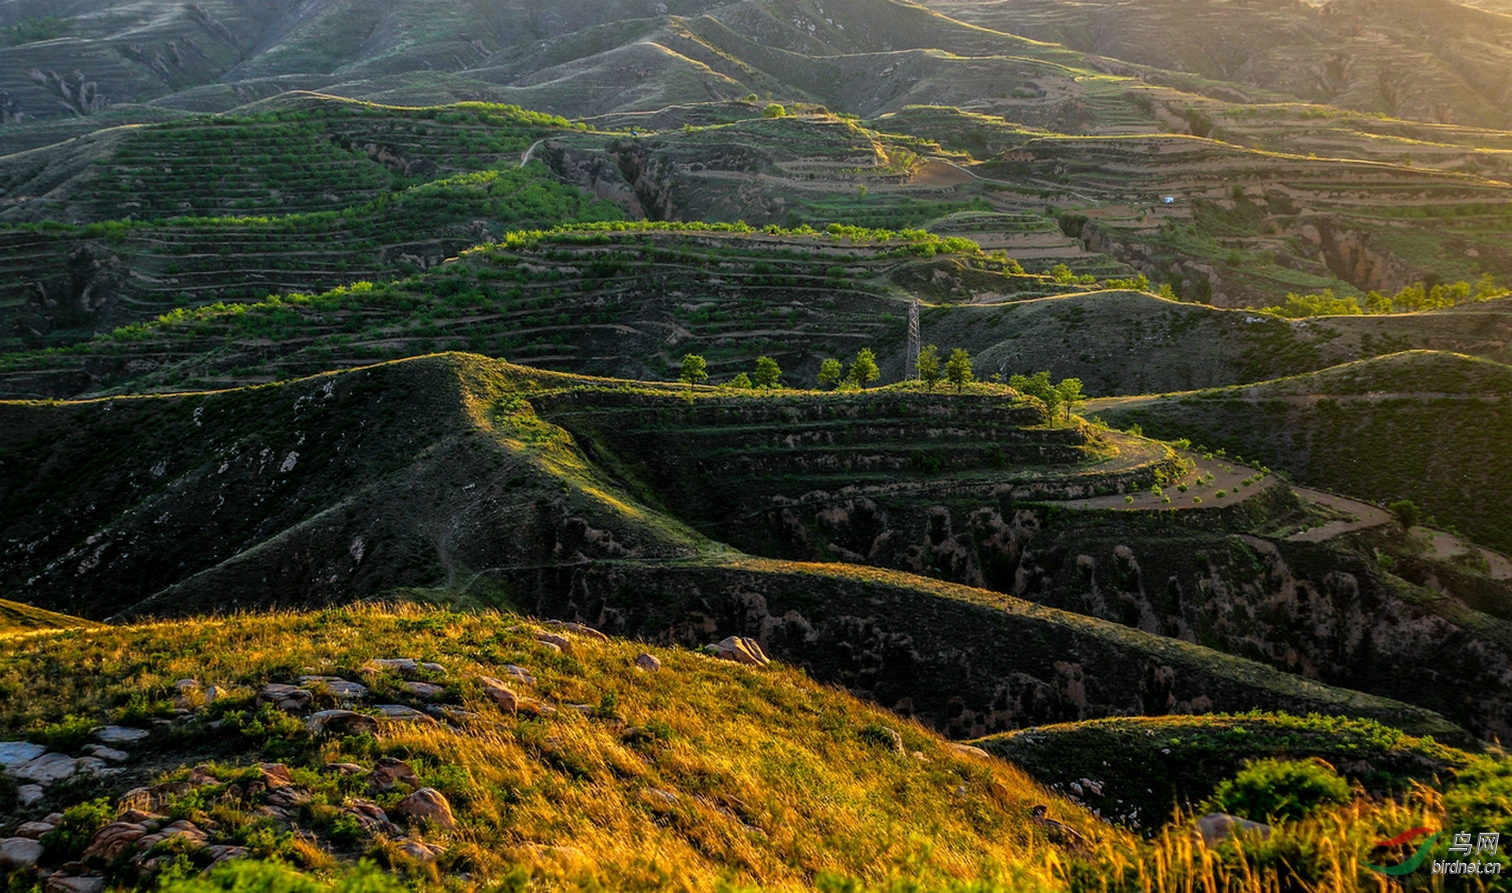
911	358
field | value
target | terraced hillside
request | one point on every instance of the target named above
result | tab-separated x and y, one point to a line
1429	426
451	475
315	195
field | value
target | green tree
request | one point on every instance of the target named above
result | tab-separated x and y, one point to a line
774	110
741	380
1069	393
767	372
864	367
830	373
693	370
929	366
1405	511
958	369
1037	386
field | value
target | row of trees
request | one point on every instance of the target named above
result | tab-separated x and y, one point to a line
1062	397
1410	299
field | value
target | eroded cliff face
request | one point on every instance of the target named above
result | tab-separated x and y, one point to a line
1314	611
958	660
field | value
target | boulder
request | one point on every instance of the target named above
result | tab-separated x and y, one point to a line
341	722
419	850
402	713
552	640
428	691
501	694
34	830
1216	827
372	818
335	686
970	750
275	775
346	768
52	767
77	883
428	806
288	698
108	754
29	794
519	674
120	734
741	650
221	852
20	853
14	753
111	841
580	629
648	662
389	773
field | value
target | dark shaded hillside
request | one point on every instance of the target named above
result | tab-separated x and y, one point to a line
449	475
1427	426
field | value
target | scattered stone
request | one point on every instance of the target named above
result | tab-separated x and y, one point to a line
20	853
87	883
419	850
648	662
288	698
372	818
138	817
14	753
186	685
346	768
506	699
519	673
52	767
551	646
111	841
581	629
401	713
970	750
389	773
290	798
29	794
450	713
1214	828
1057	831
341	722
741	650
666	797
893	739
427	805
531	707
119	734
274	775
220	852
426	690
560	643
109	754
34	830
405	666
338	688
587	710
214	693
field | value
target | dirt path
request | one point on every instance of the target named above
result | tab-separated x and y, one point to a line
525	158
1364	516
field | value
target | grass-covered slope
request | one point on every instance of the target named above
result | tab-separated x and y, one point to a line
1427	426
16	617
699	773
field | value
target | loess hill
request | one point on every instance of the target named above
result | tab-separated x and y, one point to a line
890	537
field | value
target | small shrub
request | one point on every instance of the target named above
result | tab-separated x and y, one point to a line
79	824
1281	790
1220	494
1128	499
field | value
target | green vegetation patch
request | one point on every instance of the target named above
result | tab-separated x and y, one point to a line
1141	770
